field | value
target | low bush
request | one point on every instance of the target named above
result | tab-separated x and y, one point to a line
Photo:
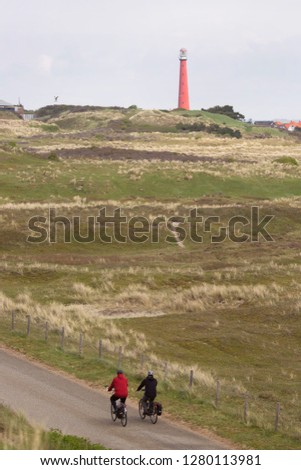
287	161
211	129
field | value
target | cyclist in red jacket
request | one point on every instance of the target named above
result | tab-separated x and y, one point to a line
120	386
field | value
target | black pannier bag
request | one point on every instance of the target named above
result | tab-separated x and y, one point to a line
159	408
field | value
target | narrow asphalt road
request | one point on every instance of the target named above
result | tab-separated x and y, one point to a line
52	400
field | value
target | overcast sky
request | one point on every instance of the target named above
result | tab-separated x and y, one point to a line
245	53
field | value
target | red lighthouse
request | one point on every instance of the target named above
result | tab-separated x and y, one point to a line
183	101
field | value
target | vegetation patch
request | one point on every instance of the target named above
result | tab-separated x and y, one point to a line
287	161
226	307
50	127
211	129
17	434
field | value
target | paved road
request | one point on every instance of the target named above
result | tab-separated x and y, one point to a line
52	400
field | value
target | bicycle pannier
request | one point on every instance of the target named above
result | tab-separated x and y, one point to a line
159	408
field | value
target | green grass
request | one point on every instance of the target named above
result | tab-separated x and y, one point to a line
193	406
31	178
287	161
223	120
18	434
246	345
247	340
45	127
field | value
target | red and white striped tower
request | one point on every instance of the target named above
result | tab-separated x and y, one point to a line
183	100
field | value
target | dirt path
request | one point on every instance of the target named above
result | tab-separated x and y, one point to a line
52	400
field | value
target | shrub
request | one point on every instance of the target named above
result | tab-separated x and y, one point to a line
287	161
195	127
57	440
227	110
53	157
49	127
212	129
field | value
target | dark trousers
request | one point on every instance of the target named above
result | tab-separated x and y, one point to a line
114	398
150	399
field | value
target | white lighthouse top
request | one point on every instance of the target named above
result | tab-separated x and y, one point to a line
183	54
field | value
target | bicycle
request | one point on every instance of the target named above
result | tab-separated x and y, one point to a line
120	413
147	408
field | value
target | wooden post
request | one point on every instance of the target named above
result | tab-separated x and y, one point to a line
142	361
46	331
120	357
165	371
277	416
13	317
81	340
217	394
28	325
100	349
191	378
62	338
246	409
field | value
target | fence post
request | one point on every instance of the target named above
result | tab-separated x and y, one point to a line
165	371
142	361
13	315
62	338
46	331
28	325
81	340
277	416
120	357
100	349
246	409
217	394
191	378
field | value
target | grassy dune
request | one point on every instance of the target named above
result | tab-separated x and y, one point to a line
229	311
28	178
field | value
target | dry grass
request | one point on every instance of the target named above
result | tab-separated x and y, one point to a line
18	435
222	165
200	297
79	202
19	128
219	310
85	319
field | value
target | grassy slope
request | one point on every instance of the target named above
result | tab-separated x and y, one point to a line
31	178
252	340
18	434
226	121
137	120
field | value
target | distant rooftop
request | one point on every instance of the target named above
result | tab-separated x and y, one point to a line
5	103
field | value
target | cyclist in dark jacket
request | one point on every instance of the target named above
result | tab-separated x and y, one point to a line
150	389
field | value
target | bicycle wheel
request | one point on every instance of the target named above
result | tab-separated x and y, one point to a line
124	418
113	414
141	410
154	416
